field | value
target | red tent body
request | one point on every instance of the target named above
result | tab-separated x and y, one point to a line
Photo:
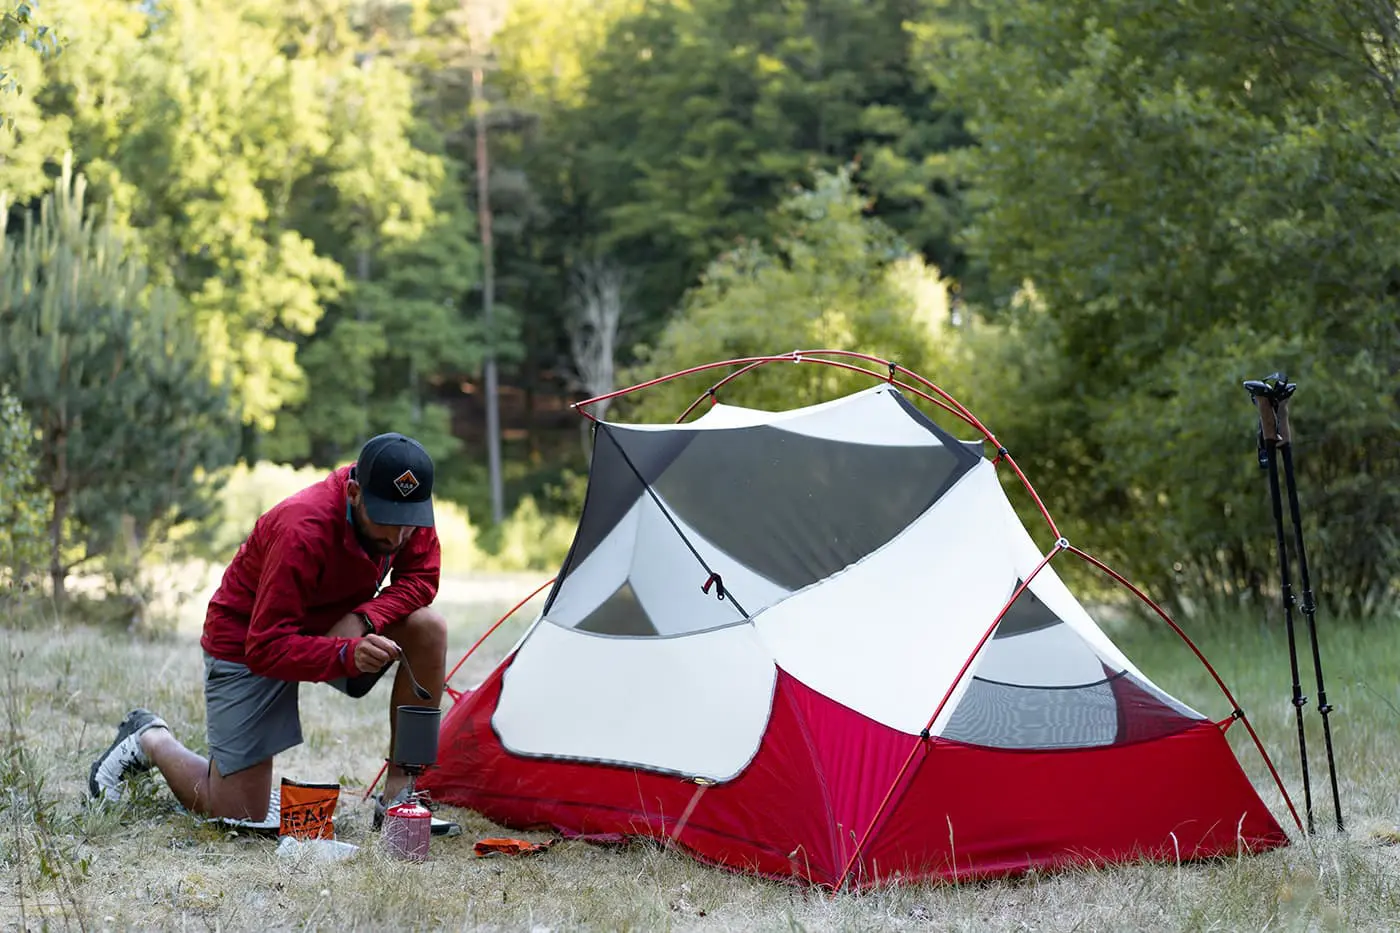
962	813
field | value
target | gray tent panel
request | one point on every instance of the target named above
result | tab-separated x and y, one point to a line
620	614
1026	614
1011	716
791	507
797	509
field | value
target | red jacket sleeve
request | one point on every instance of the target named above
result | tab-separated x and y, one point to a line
276	646
414	581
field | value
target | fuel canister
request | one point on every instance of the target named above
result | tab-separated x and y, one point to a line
407	828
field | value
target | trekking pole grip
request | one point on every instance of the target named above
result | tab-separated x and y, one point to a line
1268	421
1270	395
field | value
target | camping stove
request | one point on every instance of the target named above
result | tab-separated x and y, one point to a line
408	825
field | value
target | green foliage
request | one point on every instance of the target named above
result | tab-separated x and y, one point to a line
23	505
545	48
527	540
1197	194
399	219
130	431
832	279
27	140
1159	201
289	173
700	116
664	134
21	28
203	132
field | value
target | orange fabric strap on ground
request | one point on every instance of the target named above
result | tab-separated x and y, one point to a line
487	847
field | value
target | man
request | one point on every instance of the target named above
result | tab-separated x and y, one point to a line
304	600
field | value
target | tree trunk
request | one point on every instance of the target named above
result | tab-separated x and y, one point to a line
598	299
488	297
362	315
57	572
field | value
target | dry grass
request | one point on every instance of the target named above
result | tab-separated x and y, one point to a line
144	864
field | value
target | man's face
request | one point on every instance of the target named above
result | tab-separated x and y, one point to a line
383	540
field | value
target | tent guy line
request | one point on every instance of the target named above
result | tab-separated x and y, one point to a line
712	576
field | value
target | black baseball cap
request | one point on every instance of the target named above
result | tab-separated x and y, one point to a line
396	481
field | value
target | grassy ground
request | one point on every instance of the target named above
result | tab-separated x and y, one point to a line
146	865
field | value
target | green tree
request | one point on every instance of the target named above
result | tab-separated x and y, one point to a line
699	116
28	139
663	134
832	278
1196	194
546	222
278	164
130	429
389	207
22	505
201	132
21	28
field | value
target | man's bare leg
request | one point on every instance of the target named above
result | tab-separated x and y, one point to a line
197	784
423	638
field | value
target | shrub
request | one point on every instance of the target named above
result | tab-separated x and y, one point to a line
833	278
251	492
530	540
23	506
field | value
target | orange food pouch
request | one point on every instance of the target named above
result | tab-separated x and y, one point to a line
308	810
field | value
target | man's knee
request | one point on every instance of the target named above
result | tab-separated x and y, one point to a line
427	627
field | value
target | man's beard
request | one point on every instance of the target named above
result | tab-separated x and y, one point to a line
376	546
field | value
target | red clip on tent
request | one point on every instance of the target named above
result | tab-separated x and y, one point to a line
819	644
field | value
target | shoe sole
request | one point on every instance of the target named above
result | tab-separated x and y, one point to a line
124	731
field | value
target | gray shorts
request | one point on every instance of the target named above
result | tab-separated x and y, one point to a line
251	718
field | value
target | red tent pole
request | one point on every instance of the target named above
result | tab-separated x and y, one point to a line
456	695
951	405
487	633
812	356
717	386
1234	704
617	393
795	356
1060	545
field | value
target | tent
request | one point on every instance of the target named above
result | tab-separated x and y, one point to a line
819	644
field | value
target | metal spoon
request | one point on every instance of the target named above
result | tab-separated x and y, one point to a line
417	687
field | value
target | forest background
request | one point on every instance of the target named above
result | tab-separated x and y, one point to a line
241	236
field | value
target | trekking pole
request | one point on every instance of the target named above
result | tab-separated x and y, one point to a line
1265	397
1309	605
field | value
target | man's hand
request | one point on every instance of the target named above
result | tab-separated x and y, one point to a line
373	652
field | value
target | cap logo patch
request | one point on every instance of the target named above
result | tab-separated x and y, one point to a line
405	483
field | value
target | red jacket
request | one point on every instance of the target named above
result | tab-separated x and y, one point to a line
300	571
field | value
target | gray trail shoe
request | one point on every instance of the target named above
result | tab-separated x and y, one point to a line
437	827
123	757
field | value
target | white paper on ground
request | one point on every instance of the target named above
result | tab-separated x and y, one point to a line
322	850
